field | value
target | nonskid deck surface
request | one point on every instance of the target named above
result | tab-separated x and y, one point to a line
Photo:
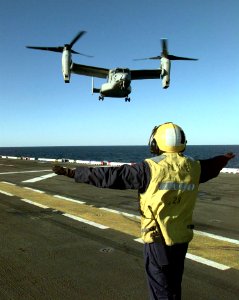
63	240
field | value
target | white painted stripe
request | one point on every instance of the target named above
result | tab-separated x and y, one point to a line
23	172
34	190
8	183
40	178
198	259
139	240
214	236
120	212
217	237
34	203
69	199
86	221
5	193
207	262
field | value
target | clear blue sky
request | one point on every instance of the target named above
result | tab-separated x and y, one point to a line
39	109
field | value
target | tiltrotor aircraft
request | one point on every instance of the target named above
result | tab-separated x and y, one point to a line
118	79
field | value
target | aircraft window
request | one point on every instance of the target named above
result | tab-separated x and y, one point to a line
120	70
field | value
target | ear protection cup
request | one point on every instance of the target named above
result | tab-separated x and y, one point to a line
154	147
167	137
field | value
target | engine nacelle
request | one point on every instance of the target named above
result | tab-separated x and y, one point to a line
165	72
66	64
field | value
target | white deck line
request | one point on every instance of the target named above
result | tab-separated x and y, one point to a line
217	237
43	177
69	199
197	232
5	193
86	221
199	259
23	172
8	183
119	212
207	262
34	190
34	203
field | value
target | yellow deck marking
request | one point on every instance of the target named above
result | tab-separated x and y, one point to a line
128	225
222	252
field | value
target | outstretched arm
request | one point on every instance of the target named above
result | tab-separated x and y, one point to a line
211	167
123	177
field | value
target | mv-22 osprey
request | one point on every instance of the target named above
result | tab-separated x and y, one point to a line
118	79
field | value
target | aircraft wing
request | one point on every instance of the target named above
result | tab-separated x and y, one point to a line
145	74
89	70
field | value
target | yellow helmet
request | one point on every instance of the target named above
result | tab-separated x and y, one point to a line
167	137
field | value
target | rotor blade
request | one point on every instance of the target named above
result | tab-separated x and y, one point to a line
155	57
54	49
165	54
140	58
169	56
76	38
173	57
81	54
164	43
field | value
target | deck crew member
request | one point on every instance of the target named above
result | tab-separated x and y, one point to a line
168	185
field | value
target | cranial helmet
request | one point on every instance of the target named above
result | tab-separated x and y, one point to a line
167	137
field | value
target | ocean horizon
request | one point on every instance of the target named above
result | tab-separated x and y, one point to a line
135	153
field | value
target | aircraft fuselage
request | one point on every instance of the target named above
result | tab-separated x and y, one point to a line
118	84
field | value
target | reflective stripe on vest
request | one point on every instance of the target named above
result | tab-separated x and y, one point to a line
174	186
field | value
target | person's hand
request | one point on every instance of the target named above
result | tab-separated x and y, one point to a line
229	155
59	170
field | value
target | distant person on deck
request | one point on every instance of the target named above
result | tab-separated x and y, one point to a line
168	186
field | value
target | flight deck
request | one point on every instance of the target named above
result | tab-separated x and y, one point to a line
65	240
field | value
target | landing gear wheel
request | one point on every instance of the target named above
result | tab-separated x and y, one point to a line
101	98
127	99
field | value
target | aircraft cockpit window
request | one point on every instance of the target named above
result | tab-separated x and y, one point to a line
120	70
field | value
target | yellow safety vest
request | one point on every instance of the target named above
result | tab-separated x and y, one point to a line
171	195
